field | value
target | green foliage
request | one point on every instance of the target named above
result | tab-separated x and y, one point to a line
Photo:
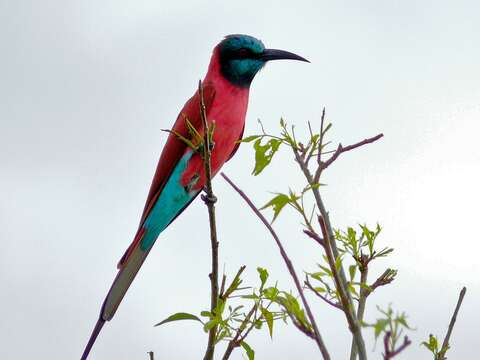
234	316
432	345
392	323
277	204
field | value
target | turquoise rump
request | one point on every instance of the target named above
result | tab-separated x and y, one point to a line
171	201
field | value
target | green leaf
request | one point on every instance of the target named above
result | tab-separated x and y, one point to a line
263	275
379	326
206	314
210	325
269	319
277	204
352	269
271	293
432	344
250	138
264	154
179	316
338	263
248	350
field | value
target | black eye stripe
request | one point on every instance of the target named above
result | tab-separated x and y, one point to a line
244	53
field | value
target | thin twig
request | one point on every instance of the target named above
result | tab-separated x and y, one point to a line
341	149
324	298
445	344
288	262
237	338
391	353
210	200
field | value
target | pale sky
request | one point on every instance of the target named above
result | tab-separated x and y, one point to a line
86	87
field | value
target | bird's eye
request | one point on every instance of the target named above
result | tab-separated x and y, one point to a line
243	52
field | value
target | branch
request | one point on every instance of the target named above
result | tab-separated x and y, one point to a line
315	237
151	355
340	150
328	236
391	353
237	339
210	200
364	292
288	262
386	278
345	298
445	344
324	298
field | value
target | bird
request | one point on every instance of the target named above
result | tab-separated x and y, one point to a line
180	174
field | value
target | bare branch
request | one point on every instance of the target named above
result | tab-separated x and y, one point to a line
151	355
340	150
445	344
288	262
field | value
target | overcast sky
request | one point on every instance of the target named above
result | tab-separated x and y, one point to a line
86	87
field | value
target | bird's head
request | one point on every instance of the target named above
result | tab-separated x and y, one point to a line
242	56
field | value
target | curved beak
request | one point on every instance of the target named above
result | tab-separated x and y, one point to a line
274	54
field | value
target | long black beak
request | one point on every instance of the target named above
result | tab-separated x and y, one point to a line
274	54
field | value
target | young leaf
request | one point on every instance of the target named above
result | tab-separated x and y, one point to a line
248	350
277	203
177	317
264	154
432	344
263	275
269	319
271	293
352	269
250	138
379	326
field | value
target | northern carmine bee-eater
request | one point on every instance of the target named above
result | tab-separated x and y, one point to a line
180	174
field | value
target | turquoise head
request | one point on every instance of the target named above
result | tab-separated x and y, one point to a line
242	56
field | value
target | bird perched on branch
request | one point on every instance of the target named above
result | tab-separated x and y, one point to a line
180	174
